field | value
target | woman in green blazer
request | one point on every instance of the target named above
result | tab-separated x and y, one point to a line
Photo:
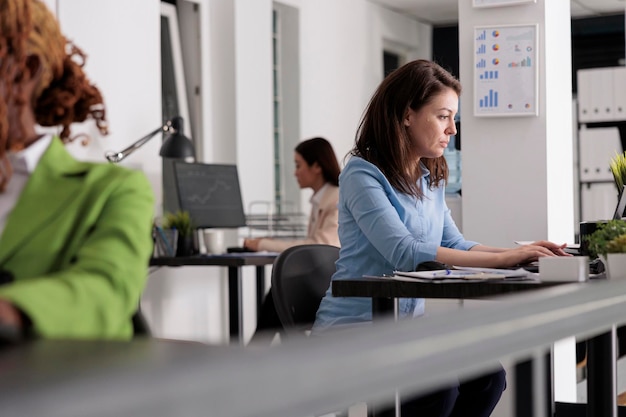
75	236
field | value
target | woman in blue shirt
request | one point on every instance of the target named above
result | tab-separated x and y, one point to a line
393	215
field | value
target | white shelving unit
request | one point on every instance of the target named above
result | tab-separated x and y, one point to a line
601	110
264	219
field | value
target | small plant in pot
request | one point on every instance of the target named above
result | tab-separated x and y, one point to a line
181	221
618	169
608	241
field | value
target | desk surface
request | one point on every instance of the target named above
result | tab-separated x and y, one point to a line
85	378
234	262
255	259
390	288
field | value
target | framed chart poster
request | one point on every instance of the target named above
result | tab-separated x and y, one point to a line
505	70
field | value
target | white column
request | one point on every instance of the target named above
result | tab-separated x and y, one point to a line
518	178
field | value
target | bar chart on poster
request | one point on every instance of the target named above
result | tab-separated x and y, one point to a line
505	70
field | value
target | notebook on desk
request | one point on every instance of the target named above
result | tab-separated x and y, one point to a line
462	273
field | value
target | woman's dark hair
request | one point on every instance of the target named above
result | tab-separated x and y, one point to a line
321	151
382	138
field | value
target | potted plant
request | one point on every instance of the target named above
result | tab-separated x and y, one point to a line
618	169
608	241
181	221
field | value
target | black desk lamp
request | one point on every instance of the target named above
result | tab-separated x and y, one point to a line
176	145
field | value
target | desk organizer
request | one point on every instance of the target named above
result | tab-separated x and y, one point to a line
564	268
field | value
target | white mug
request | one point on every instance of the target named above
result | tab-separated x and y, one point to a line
214	241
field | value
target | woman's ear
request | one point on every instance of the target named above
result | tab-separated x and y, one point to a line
407	119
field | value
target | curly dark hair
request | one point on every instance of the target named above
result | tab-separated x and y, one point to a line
63	95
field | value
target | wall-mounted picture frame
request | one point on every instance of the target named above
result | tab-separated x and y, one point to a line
497	3
506	70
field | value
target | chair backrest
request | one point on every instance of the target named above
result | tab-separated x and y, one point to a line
300	277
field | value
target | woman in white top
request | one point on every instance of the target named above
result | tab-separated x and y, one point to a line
316	168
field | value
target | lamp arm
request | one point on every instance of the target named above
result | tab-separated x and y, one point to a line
119	156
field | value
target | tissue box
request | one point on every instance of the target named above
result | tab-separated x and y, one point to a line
564	268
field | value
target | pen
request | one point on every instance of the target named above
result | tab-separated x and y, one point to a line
377	276
442	273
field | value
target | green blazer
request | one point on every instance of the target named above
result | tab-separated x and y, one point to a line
78	243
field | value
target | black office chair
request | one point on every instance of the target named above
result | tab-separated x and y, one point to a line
300	277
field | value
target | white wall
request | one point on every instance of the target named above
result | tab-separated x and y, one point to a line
52	5
253	99
341	64
124	61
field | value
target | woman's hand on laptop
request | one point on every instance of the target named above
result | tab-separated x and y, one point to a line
524	254
553	247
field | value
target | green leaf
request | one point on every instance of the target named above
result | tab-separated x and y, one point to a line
618	169
181	221
609	237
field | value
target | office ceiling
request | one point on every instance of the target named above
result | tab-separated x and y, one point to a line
441	12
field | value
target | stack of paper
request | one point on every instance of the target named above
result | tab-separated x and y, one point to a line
465	273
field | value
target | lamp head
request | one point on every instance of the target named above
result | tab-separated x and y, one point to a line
177	145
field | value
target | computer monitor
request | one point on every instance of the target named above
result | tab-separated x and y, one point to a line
210	193
621	205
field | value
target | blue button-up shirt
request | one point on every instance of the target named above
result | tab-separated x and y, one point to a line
382	230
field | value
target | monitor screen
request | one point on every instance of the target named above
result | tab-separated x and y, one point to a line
621	205
210	193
